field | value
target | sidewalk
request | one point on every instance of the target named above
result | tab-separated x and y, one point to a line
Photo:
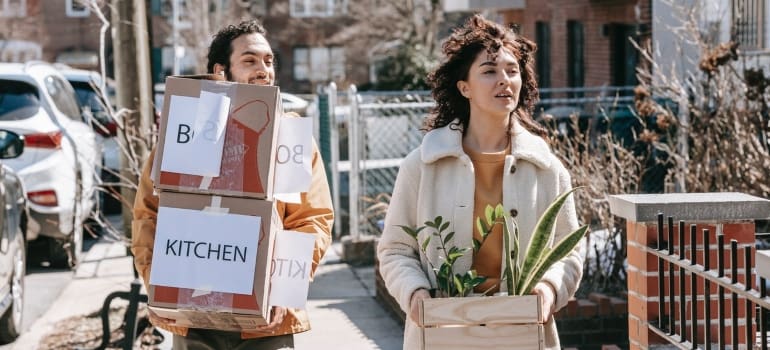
341	305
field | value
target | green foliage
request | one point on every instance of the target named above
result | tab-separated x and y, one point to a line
520	277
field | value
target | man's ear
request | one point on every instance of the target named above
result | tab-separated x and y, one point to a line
219	69
463	87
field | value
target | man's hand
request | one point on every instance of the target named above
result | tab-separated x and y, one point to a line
160	321
414	305
547	299
275	320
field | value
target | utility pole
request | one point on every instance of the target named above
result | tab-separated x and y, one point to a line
133	79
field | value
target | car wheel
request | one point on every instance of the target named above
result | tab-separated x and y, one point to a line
11	322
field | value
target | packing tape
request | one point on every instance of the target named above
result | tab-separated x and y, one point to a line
206	301
201	292
205	183
216	206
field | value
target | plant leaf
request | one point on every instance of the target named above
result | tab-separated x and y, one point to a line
543	232
448	237
560	250
444	227
499	211
425	243
476	245
488	212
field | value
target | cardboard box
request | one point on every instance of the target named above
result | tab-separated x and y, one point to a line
496	322
247	163
217	310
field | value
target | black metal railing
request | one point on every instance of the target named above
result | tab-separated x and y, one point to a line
674	256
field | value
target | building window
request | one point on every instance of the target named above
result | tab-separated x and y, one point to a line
75	8
13	8
623	54
749	23
575	43
543	54
319	64
318	8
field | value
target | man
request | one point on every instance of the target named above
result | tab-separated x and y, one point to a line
241	54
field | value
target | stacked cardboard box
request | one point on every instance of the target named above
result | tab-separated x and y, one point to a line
216	276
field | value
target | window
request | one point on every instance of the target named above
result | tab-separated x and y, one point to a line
317	8
301	64
543	53
575	43
76	8
319	64
18	100
13	8
63	97
623	55
748	18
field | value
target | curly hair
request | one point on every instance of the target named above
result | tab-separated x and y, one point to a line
475	36
221	46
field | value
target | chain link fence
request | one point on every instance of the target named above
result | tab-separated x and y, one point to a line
364	136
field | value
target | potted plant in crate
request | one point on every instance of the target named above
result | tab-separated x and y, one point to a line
456	319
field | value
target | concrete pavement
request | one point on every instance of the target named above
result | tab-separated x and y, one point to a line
341	305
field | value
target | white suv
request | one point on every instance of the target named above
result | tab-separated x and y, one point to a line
58	167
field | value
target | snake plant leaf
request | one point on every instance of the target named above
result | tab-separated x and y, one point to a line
482	227
458	284
488	212
560	250
538	243
516	268
499	211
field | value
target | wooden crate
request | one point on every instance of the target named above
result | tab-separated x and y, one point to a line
498	322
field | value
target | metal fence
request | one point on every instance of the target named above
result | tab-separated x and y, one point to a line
366	135
692	329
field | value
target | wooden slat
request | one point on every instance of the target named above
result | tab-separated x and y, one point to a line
481	310
508	337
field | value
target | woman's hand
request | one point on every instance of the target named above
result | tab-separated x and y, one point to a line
547	299
414	305
275	320
160	321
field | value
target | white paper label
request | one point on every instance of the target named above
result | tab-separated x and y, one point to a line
290	275
293	157
195	134
200	250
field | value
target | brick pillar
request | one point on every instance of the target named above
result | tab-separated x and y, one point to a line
732	214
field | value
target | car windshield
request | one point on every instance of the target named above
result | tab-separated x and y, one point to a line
18	100
87	96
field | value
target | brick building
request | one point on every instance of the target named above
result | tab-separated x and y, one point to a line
51	30
584	42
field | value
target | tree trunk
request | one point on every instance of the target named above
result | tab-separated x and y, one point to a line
134	89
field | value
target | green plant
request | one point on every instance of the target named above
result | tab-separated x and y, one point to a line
520	277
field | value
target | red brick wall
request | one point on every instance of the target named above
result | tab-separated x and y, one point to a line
643	296
593	14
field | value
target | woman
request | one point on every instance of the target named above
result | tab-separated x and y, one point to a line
482	148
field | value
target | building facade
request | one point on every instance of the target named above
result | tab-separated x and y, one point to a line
52	30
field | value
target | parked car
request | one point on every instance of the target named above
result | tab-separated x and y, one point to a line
59	166
87	85
12	243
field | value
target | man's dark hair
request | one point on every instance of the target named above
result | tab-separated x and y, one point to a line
221	46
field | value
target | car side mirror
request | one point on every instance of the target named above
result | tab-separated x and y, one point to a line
11	144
